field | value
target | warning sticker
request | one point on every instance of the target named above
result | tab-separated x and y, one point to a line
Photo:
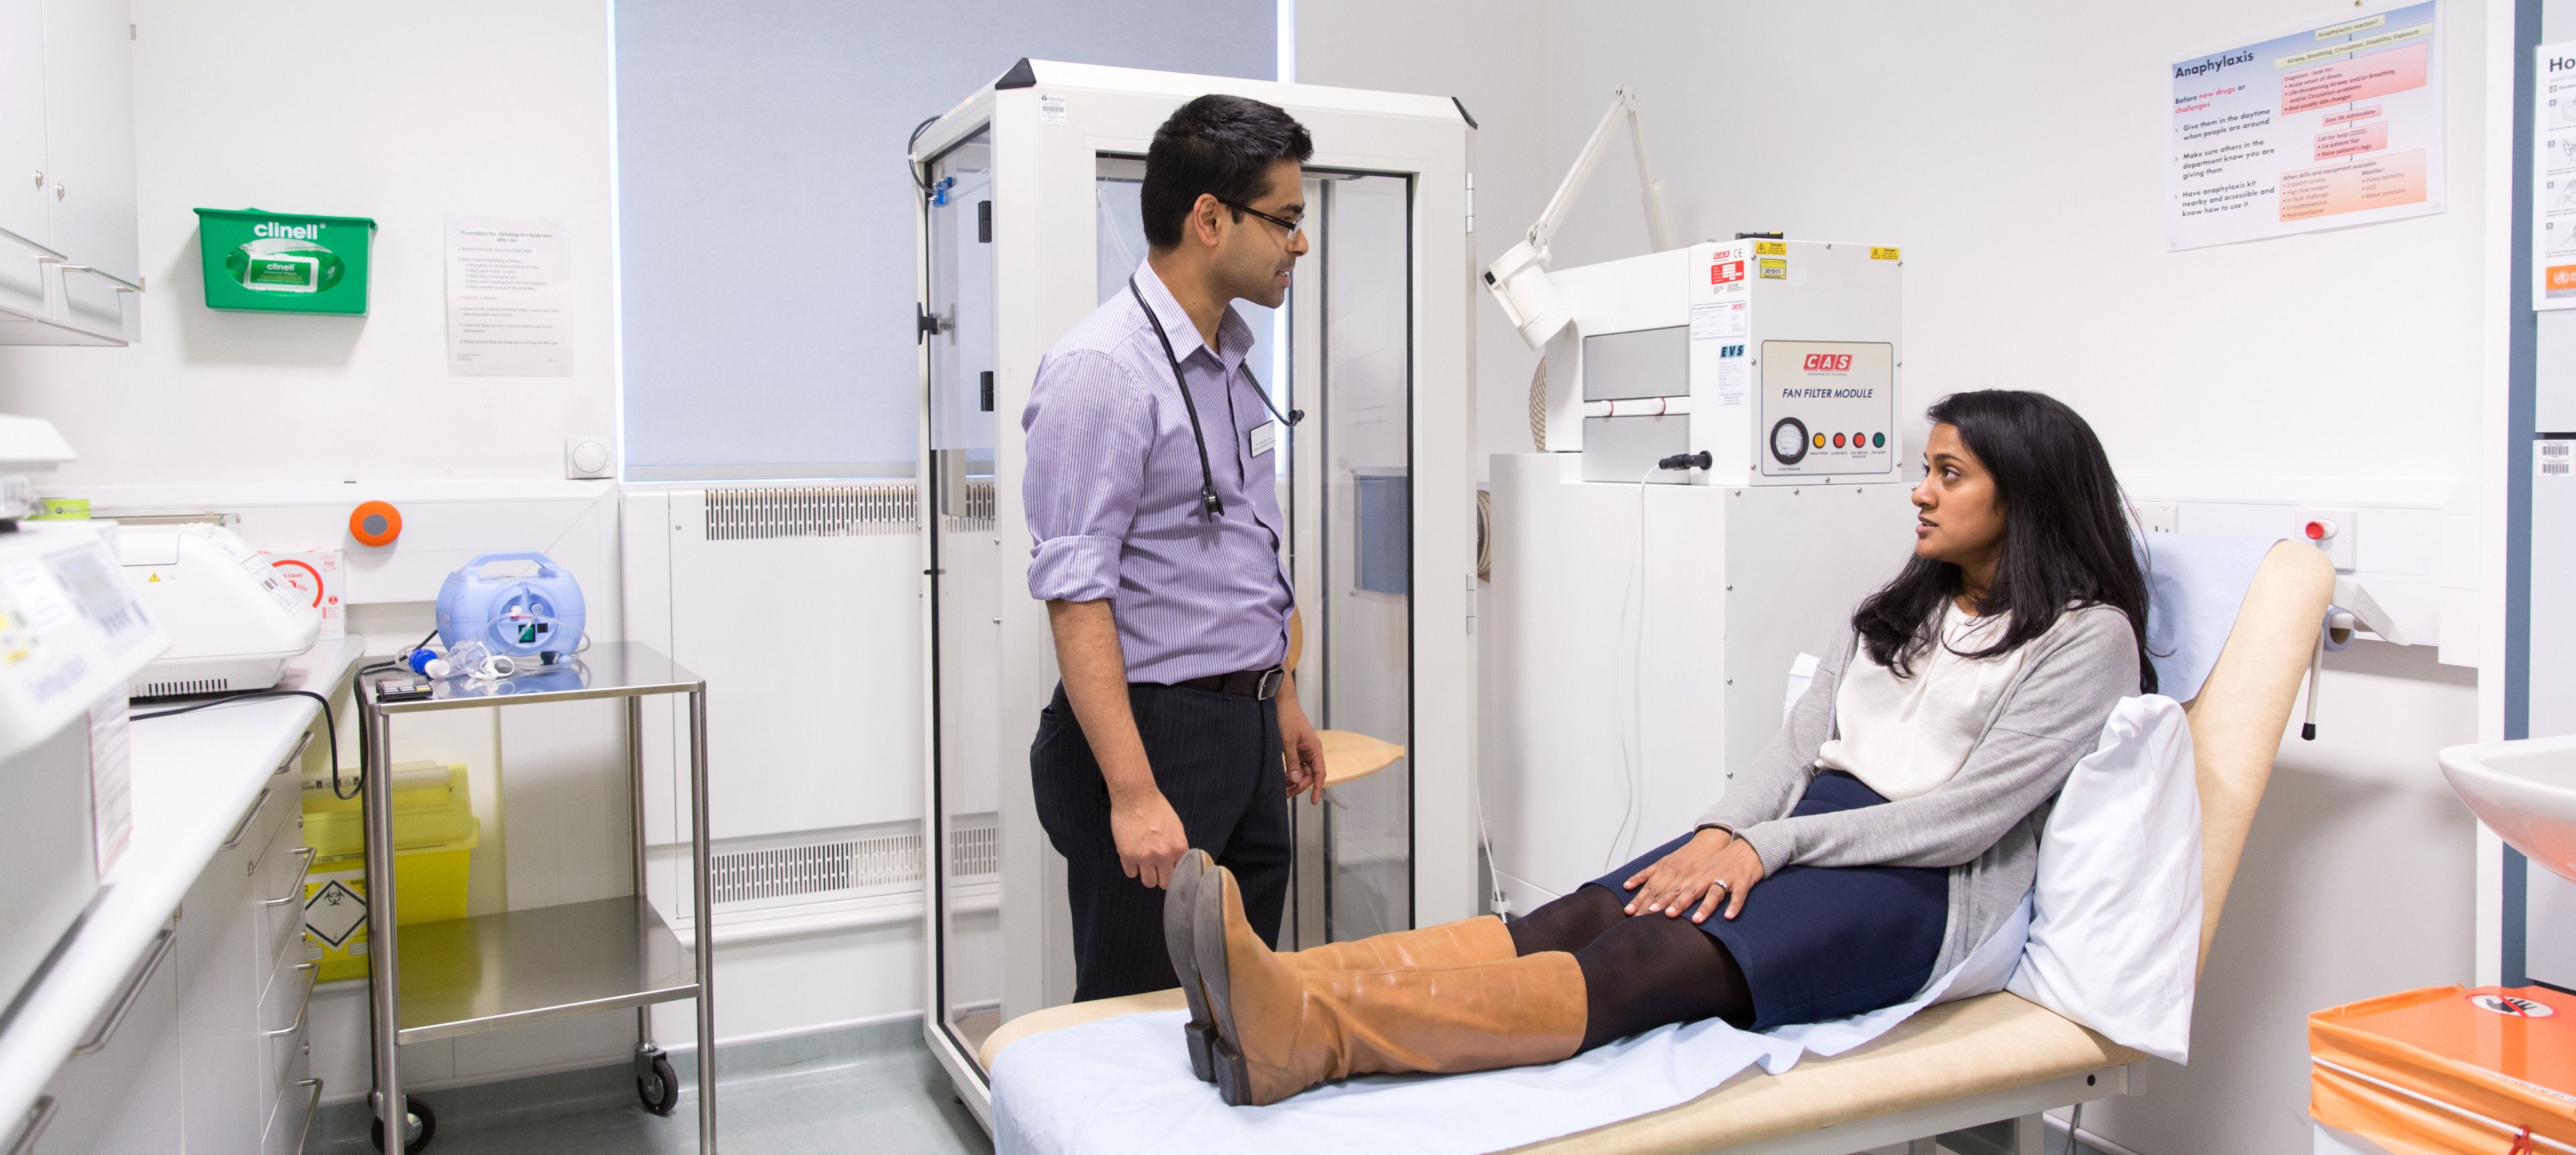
1770	248
334	913
1884	253
1775	269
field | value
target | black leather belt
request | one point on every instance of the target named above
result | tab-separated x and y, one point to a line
1262	684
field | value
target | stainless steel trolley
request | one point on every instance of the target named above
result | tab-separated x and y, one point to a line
553	961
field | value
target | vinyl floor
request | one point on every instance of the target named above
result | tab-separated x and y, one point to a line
877	1090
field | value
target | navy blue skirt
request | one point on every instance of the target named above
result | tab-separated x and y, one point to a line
1823	942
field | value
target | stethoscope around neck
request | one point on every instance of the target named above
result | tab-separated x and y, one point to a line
1208	502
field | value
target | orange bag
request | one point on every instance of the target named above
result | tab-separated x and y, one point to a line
2448	1070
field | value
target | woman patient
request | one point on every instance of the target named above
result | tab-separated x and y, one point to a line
1879	839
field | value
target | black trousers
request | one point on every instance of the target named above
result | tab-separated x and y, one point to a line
1216	758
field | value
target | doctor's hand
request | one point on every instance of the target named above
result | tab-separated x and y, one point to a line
1149	836
1301	751
1713	868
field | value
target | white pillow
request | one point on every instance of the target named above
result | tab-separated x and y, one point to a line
2115	929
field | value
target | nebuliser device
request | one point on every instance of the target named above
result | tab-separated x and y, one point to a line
519	621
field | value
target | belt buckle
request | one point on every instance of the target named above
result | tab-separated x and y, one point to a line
1269	686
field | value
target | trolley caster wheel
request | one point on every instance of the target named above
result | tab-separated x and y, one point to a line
422	1123
659	1089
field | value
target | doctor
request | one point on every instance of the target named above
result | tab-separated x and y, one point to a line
1152	464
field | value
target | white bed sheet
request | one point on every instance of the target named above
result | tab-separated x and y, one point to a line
1124	1084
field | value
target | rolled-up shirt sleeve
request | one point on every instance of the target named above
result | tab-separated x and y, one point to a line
1090	426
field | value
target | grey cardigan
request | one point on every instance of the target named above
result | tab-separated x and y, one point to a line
1982	824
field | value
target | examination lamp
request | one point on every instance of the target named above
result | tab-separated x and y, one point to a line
1518	279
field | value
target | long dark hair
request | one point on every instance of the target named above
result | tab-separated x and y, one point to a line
2066	536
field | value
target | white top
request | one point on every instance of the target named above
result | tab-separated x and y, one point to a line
1904	737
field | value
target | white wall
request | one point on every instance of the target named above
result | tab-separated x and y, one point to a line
1489	58
2015	151
406	113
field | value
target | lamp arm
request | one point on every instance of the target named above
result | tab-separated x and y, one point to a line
1623	105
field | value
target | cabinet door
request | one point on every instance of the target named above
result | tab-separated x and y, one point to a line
89	142
26	198
125	1099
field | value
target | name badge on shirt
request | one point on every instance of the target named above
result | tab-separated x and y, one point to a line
1265	437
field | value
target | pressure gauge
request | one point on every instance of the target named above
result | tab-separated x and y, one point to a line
1789	441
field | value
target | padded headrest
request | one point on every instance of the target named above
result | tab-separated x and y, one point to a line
2242	711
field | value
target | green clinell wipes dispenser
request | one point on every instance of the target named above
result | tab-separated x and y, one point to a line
284	262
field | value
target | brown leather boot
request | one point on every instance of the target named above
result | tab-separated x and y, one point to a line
1180	909
1479	939
1282	1028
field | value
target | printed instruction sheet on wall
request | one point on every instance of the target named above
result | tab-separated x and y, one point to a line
2553	176
509	298
2321	129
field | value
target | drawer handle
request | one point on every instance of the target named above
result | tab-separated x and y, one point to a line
98	1039
243	827
312	1108
295	757
313	973
38	1117
296	891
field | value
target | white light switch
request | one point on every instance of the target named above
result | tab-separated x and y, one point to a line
588	457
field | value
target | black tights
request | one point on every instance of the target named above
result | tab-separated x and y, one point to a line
1639	972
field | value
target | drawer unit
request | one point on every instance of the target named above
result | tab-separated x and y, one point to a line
120	1093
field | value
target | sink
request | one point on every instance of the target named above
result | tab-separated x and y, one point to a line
2525	791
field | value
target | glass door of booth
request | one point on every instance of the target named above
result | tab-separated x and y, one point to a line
966	596
1340	349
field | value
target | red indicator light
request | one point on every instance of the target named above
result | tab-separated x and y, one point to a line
1838	441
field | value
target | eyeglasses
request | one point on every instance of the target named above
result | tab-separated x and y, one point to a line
1291	226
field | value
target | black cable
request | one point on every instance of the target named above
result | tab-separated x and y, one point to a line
911	164
330	728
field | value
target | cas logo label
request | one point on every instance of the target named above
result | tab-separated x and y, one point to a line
1828	363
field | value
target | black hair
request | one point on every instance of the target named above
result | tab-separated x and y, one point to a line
2066	535
1219	145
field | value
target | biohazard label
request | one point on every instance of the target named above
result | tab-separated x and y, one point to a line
334	912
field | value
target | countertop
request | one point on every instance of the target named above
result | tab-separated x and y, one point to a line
194	776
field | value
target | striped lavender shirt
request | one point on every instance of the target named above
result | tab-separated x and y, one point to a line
1112	491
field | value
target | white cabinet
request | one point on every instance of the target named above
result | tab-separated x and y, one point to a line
69	264
124	1096
239	1016
210	1059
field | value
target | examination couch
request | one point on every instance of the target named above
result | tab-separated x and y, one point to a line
1982	1059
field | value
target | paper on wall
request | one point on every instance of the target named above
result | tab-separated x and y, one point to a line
2553	176
2323	128
509	298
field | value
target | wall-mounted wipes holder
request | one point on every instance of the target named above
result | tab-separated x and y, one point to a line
266	262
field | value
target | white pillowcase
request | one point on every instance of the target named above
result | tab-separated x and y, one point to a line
2115	929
